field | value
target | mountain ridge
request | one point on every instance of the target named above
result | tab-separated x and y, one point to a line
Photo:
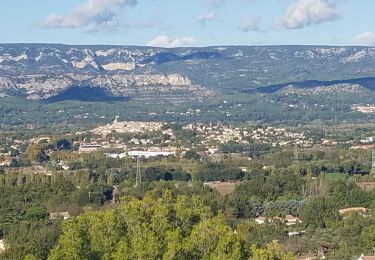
42	70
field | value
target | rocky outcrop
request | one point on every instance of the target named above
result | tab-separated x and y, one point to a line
43	87
119	66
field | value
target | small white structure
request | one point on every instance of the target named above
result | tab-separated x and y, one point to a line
363	257
148	154
291	220
59	215
260	220
89	148
2	246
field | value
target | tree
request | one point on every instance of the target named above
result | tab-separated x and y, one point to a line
213	238
35	214
63	144
192	155
152	228
253	233
272	251
32	240
36	153
368	238
319	212
74	243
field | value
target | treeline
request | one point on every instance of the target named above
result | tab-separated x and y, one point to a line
271	108
218	172
163	173
24	192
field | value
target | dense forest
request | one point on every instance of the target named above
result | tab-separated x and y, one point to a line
290	109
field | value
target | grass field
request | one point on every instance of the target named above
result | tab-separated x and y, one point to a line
224	188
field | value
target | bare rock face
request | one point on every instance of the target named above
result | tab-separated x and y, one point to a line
6	83
43	71
119	66
42	87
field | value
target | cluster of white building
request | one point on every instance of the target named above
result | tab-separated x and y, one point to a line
218	133
221	133
280	136
369	108
127	127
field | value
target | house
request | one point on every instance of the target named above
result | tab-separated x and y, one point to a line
89	148
148	154
360	210
260	220
2	246
59	215
291	220
325	249
363	257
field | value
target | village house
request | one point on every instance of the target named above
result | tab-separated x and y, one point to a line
363	257
59	215
291	220
2	246
89	148
148	154
325	249
260	220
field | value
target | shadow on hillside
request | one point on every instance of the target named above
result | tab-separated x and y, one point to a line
86	94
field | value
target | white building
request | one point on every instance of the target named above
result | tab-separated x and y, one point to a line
89	148
2	246
148	154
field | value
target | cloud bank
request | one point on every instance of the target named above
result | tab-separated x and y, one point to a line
250	24
304	13
92	15
168	42
365	39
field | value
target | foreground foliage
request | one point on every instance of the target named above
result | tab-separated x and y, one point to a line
163	228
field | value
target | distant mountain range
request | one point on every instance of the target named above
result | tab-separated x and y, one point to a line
42	71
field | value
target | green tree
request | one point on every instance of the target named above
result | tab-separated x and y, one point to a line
36	153
151	228
368	238
319	212
35	214
272	251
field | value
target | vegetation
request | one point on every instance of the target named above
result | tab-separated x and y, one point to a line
173	213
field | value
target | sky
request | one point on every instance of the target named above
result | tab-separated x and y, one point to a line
177	23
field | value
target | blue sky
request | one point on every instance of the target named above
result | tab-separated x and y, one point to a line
171	23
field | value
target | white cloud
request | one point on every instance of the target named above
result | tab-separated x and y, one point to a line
209	17
366	39
92	15
307	12
250	24
168	42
